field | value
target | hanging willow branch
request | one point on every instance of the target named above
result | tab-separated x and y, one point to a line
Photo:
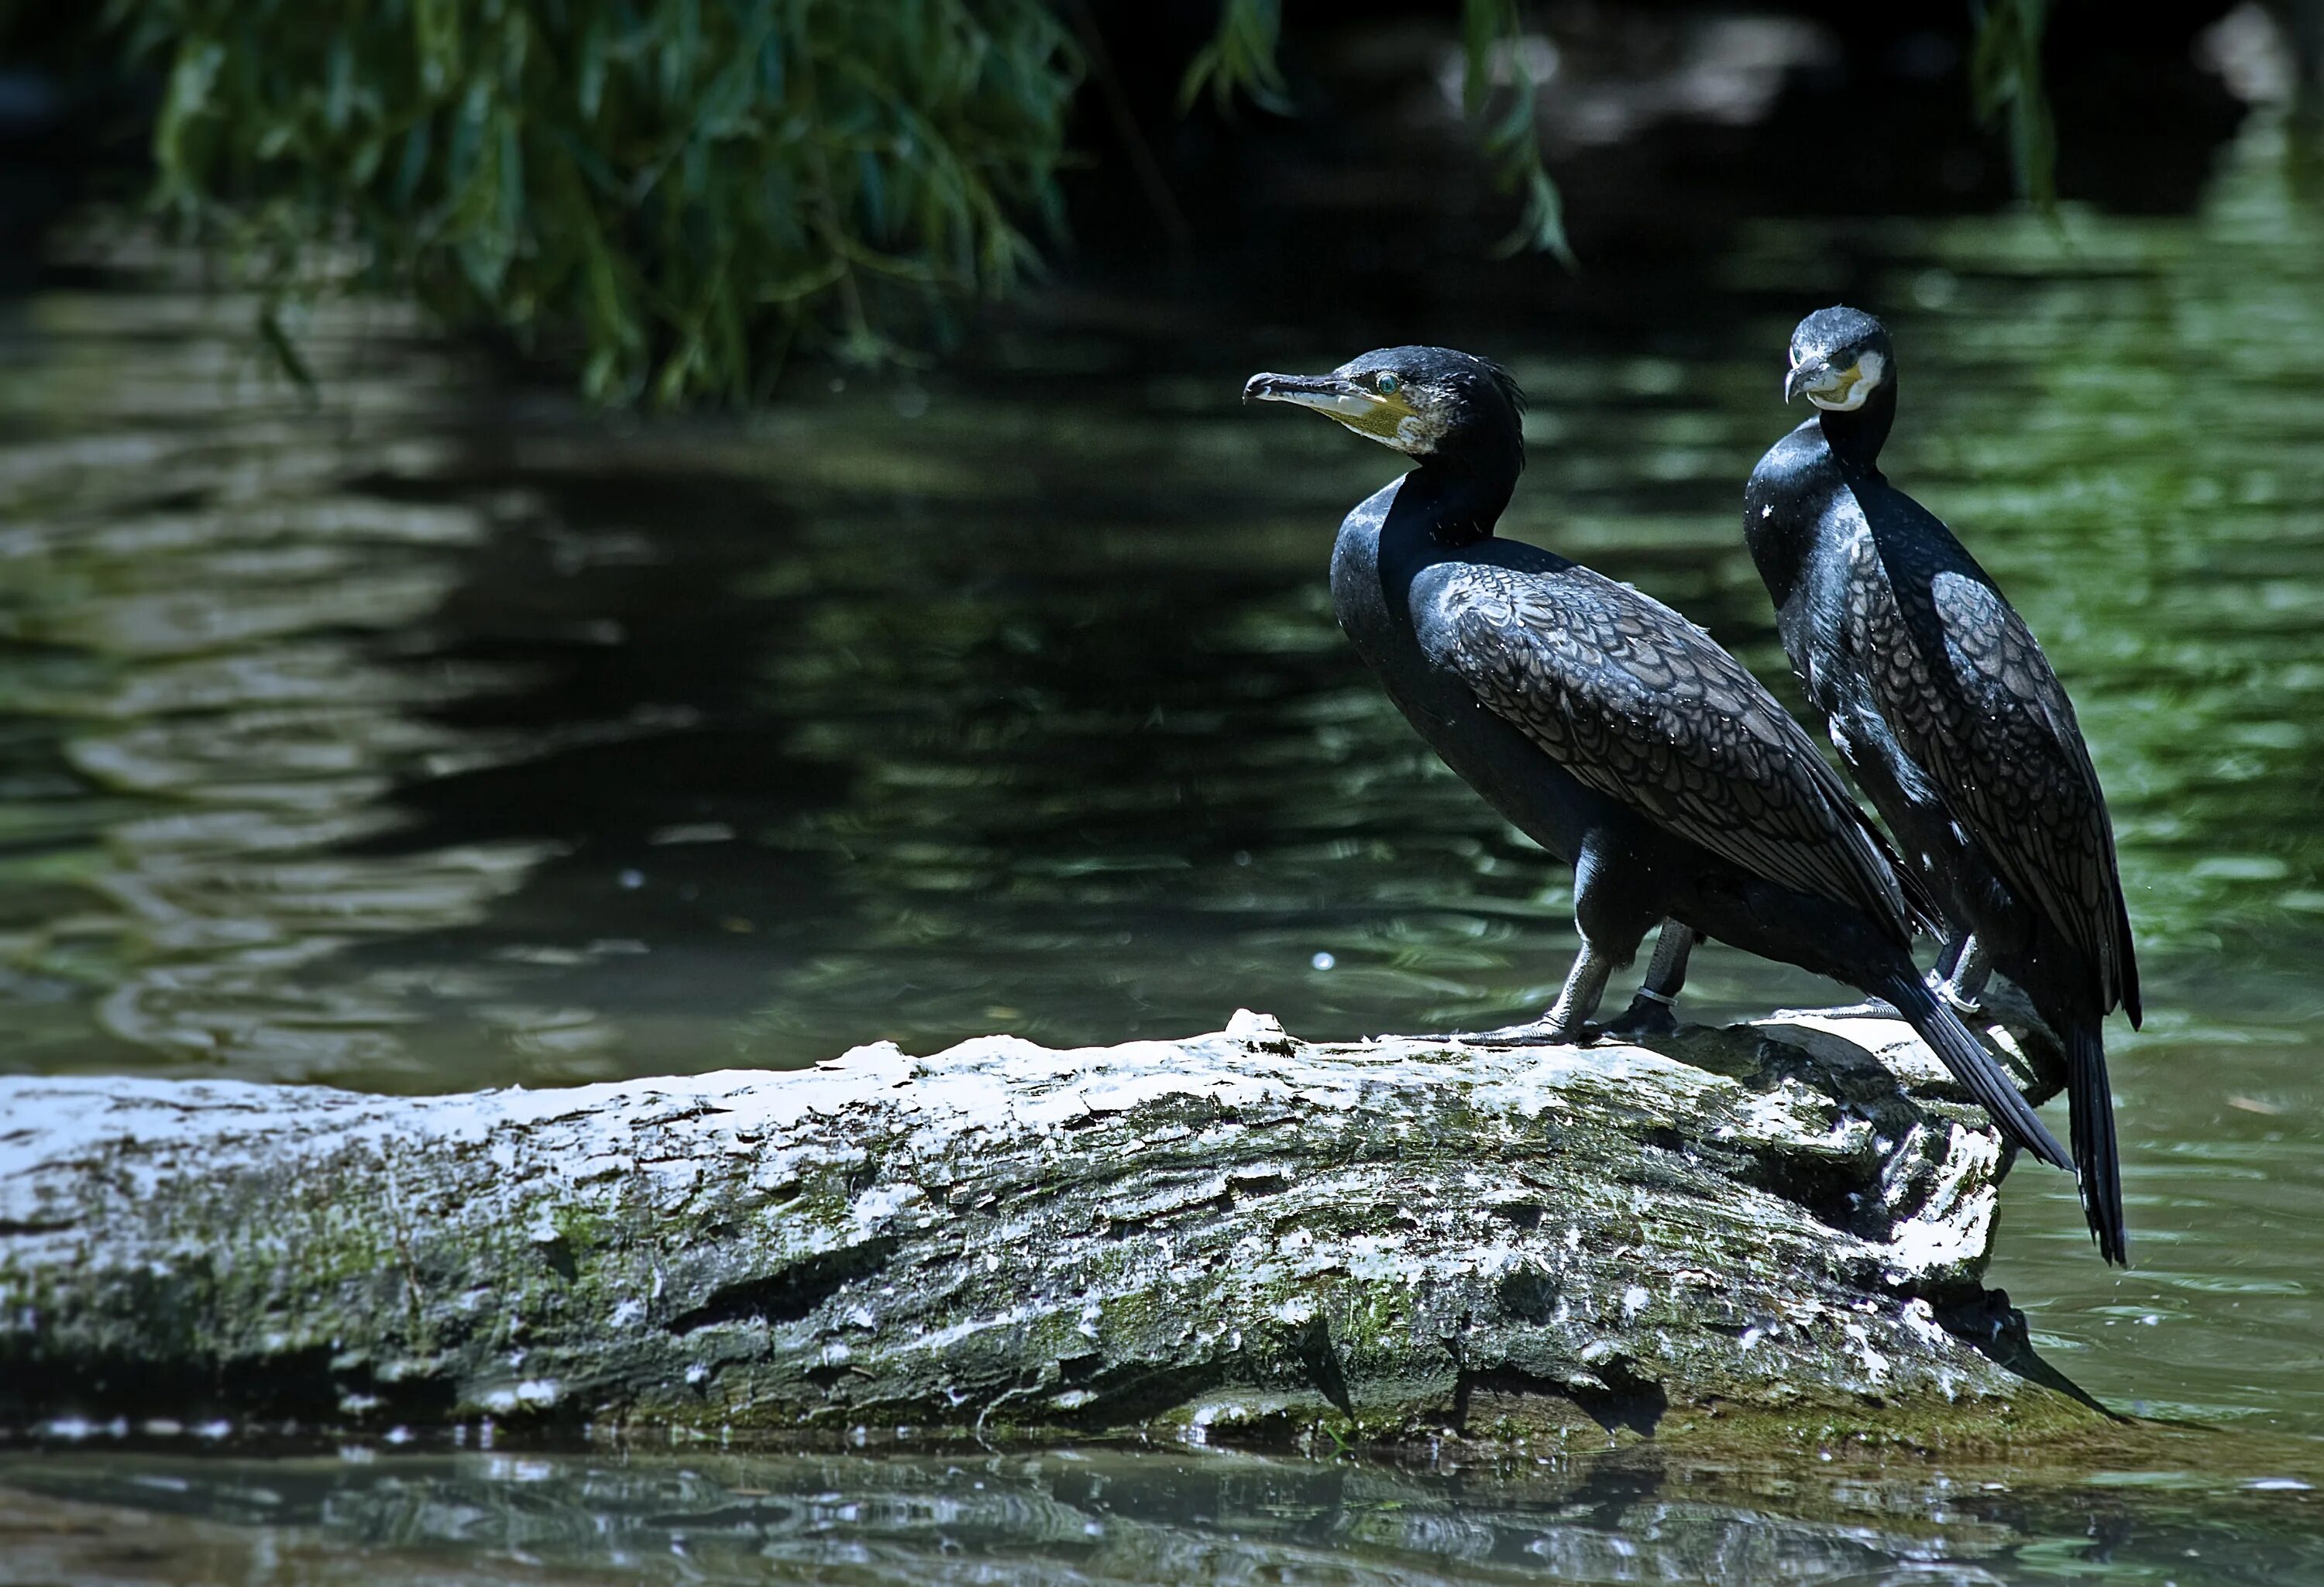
2005	79
1499	93
663	192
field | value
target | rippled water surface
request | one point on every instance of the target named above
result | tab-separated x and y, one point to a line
1106	1516
416	741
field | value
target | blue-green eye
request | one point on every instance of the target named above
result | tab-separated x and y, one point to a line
1386	384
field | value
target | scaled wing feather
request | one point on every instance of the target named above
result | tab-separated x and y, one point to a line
1642	705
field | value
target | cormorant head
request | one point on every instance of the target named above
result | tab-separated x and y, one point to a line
1839	358
1431	403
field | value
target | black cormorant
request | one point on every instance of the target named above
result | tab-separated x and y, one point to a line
1941	702
1606	726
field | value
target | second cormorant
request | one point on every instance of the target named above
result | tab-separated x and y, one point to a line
1941	703
1606	726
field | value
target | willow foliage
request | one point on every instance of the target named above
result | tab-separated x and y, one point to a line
668	194
1497	94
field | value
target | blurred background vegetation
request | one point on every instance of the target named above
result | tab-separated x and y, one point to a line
664	197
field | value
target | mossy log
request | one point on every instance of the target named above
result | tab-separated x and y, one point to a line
1772	1230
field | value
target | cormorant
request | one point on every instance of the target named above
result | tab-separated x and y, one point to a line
1942	704
1606	726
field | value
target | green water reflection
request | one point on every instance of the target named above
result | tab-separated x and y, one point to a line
424	741
1110	1516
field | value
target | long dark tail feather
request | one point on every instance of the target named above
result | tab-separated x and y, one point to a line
1960	1051
2095	1156
2129	956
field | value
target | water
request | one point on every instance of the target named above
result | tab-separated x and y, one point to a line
428	739
1100	1516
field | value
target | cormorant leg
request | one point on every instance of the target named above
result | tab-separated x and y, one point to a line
1949	956
1649	1013
1964	983
1611	928
1578	999
1567	1023
1568	1020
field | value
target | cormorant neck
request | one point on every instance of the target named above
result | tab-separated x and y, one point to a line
1459	501
1856	438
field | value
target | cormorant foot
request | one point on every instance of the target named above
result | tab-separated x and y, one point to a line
1968	1008
1539	1033
1647	1015
1871	1008
1532	1033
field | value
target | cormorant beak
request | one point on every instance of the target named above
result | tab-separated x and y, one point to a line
1806	375
1326	393
1381	417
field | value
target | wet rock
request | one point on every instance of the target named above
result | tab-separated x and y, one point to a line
1769	1230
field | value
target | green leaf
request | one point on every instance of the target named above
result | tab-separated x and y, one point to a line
413	166
338	85
2006	76
590	84
1494	36
436	27
279	343
187	102
1239	59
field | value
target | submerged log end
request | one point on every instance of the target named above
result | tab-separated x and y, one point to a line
1777	1230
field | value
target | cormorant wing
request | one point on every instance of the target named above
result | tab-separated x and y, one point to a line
1642	705
2000	743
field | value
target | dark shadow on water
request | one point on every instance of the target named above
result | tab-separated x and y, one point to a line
1997	1331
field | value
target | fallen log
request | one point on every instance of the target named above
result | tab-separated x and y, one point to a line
1774	1230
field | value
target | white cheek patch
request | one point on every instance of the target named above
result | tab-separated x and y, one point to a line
1418	433
1862	379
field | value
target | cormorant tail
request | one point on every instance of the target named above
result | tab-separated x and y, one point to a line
2095	1158
2129	959
1960	1051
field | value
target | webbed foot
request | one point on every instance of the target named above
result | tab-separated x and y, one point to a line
1960	1003
1532	1033
1871	1008
1647	1015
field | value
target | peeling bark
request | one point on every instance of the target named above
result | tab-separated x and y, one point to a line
1777	1228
